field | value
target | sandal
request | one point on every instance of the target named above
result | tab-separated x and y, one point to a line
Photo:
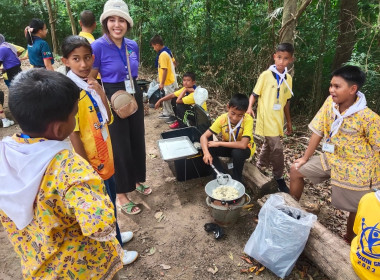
142	189
128	207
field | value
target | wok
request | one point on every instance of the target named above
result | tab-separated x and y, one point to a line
212	185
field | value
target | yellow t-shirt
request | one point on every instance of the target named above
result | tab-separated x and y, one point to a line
90	38
98	151
246	130
270	122
365	247
189	98
165	62
72	234
355	163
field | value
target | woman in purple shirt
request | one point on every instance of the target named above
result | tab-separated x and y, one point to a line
127	135
9	59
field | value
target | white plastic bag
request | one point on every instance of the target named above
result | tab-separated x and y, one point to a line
280	235
200	95
153	86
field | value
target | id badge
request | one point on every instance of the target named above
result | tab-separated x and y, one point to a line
329	148
230	165
277	107
104	133
128	87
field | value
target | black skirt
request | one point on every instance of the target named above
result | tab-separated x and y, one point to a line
128	143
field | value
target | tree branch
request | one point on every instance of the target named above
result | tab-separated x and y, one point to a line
296	17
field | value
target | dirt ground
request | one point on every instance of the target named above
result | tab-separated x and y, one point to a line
175	246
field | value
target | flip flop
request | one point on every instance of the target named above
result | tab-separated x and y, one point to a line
127	208
141	189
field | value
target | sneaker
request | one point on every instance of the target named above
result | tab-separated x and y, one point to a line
126	236
129	257
162	116
7	122
171	119
174	125
282	185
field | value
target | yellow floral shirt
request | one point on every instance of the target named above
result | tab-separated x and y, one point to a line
355	163
72	234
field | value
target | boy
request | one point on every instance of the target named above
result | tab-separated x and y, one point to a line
87	23
165	63
184	101
237	142
351	146
273	91
365	247
58	215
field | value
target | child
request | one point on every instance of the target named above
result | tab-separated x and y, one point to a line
273	91
54	206
237	137
365	247
351	146
87	23
6	122
90	137
184	100
165	63
40	55
9	59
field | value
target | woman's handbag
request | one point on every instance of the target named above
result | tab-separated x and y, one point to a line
122	102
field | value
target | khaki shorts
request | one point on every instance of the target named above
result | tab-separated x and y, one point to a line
341	198
313	170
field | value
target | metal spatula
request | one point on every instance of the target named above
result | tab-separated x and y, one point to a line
221	178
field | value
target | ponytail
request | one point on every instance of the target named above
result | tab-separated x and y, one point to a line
35	25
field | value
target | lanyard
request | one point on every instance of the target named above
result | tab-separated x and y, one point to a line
97	110
330	134
231	131
278	85
123	59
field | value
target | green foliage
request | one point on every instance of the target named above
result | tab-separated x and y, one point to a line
228	43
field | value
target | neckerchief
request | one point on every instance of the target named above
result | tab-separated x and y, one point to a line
281	75
164	49
231	131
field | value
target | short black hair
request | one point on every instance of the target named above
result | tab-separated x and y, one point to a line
353	75
189	74
38	97
87	18
239	101
285	47
156	39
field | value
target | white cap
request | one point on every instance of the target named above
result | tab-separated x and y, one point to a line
116	8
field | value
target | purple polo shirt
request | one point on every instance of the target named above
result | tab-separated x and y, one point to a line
8	58
111	61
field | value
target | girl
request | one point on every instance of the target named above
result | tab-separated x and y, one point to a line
90	138
40	55
128	140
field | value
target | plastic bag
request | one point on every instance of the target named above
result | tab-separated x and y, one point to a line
157	95
200	95
280	235
153	86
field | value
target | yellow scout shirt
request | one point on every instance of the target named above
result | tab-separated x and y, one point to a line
365	247
98	151
72	234
165	62
90	38
270	122
355	163
189	98
246	130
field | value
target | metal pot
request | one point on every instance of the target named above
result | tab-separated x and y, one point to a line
212	185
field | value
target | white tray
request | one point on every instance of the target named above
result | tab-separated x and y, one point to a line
176	148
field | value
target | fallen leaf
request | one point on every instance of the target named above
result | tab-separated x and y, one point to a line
244	270
165	266
248	206
160	218
162	273
252	269
310	278
157	215
247	260
231	256
259	270
152	251
213	271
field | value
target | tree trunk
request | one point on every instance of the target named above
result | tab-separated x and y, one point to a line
272	34
72	21
208	30
347	33
324	248
52	27
288	14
